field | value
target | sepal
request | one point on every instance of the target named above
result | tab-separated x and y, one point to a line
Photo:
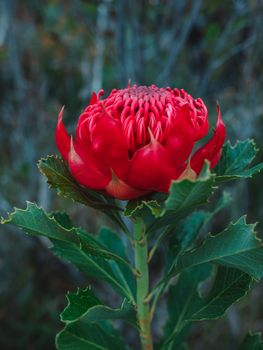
55	169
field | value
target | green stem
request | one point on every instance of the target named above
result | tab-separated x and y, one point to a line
141	264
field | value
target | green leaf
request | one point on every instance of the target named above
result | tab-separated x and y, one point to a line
177	342
63	219
59	177
125	312
252	342
235	161
90	265
84	306
189	229
87	322
181	298
230	286
78	304
83	336
141	207
237	246
186	305
72	244
149	210
57	226
184	197
34	221
185	235
114	243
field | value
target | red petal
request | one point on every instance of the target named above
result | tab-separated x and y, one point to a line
84	168
93	99
82	121
201	120
151	169
180	142
109	145
201	129
83	130
62	137
179	149
212	149
120	190
184	123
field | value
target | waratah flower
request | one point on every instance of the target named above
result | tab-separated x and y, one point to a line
139	139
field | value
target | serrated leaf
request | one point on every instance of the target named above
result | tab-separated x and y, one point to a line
74	244
252	342
57	226
59	177
185	196
237	246
83	336
35	221
154	207
62	218
84	306
186	305
139	207
229	287
98	313
149	210
90	265
78	304
133	208
87	322
235	161
185	235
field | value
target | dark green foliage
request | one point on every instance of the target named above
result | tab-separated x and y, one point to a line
252	342
236	160
49	52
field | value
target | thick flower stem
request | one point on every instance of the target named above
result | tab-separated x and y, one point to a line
141	264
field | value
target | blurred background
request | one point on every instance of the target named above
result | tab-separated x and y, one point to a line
55	53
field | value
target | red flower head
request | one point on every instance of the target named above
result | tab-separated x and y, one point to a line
139	139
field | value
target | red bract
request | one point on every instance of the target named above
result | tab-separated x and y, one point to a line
139	139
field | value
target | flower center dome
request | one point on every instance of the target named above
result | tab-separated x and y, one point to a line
147	111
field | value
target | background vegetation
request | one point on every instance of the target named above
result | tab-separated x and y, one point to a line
55	53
